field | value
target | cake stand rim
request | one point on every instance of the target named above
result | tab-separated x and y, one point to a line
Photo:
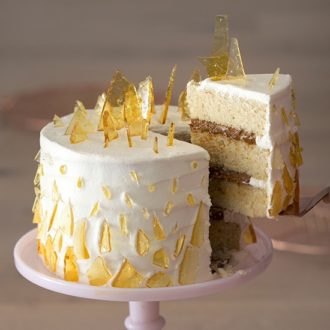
51	282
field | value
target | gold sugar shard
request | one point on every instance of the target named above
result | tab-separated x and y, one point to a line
170	135
80	182
161	259
276	201
79	241
105	240
39	173
179	245
235	68
132	111
145	129
142	243
57	121
53	215
106	192
183	105
79	116
288	182
71	272
168	207
128	200
168	96
216	66
95	210
175	229
203	180
196	76
40	247
220	36
98	273
197	236
284	117
155	146
129	137
295	151
114	101
249	235
134	177
273	80
99	104
190	200
146	93
37	156
37	217
158	229
189	266
287	201
151	187
127	277
146	213
58	240
159	280
293	99
109	129
294	116
194	165
50	255
174	186
55	192
78	134
123	224
63	169
69	221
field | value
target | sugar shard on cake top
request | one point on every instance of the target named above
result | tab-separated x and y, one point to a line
235	68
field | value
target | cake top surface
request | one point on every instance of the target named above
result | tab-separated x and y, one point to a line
253	85
118	150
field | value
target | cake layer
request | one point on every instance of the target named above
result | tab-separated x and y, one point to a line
239	198
234	155
123	216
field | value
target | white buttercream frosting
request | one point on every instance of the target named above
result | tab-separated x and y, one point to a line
115	167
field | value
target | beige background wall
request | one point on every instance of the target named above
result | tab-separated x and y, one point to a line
45	43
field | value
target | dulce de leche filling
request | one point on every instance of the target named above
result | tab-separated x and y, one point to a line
198	125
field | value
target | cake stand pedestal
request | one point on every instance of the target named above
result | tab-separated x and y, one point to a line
144	302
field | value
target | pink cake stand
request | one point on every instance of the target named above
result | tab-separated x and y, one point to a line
143	303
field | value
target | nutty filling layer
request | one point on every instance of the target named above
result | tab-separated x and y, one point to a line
228	175
230	132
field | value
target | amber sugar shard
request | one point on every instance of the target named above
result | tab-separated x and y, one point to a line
189	266
142	243
158	229
197	236
71	272
196	75
276	200
161	259
220	36
123	224
37	216
95	210
235	69
216	66
183	105
80	182
79	115
129	137
273	80
174	187
105	239
194	165
128	200
68	220
37	157
79	241
145	128
52	216
63	169
170	136
151	187
190	200
284	117
50	255
159	280
249	235
107	192
168	207
109	129
127	277
134	177
57	121
168	96
98	274
78	133
179	245
114	101
288	182
146	93
58	240
155	146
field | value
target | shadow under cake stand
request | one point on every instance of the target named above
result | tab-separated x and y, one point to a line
144	302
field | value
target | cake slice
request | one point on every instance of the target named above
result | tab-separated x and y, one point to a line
249	128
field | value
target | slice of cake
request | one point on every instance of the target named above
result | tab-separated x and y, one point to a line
250	132
121	207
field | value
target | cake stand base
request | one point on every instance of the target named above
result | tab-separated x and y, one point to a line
144	302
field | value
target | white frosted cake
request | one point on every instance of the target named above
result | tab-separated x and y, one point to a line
121	206
249	128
